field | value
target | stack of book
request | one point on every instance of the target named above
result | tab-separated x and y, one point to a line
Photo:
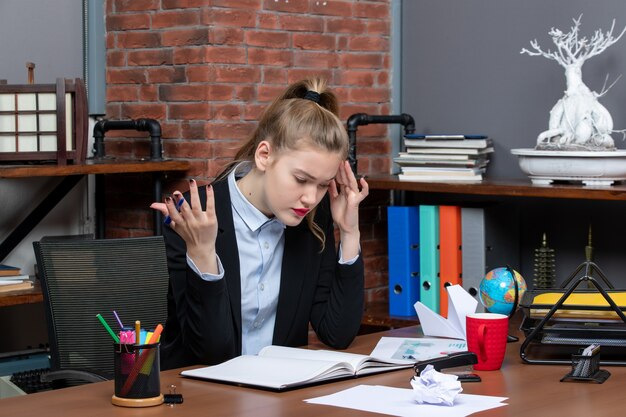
444	157
11	279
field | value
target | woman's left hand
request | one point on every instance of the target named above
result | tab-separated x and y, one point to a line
345	197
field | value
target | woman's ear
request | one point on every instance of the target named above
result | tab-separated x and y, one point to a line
262	155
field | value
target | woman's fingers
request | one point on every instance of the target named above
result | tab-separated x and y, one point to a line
193	196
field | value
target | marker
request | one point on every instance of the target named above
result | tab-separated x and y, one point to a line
108	329
179	204
118	319
139	364
137	332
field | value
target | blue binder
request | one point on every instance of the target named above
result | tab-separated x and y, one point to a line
429	256
403	238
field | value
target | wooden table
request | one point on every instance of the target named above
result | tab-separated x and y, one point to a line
533	390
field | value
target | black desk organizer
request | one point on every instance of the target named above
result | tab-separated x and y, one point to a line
587	368
554	342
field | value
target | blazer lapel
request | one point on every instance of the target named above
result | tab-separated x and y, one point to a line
295	271
226	247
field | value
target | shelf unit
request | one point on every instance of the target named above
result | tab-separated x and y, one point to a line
486	190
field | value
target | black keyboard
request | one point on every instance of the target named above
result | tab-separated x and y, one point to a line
30	381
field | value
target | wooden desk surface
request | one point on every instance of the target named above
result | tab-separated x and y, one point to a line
533	390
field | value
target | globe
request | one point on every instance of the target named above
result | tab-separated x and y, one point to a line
497	290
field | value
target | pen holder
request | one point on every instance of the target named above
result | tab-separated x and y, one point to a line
587	368
137	375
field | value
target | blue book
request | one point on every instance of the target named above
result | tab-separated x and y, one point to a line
436	136
404	262
429	256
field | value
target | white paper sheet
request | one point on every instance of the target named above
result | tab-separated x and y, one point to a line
417	349
460	304
400	402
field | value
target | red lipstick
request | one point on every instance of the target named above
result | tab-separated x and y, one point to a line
301	211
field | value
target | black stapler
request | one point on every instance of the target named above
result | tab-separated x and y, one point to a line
459	363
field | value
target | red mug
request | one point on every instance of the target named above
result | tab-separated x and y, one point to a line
486	337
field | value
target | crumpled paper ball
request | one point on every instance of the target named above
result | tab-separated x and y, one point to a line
433	387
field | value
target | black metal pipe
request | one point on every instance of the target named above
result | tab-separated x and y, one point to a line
142	125
361	119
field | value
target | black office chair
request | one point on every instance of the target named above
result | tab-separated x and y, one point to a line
83	277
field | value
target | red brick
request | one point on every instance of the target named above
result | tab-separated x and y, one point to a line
238	4
191	55
226	17
138	40
270	39
126	76
226	35
259	56
184	4
122	93
368	43
193	130
151	57
351	26
167	74
273	75
361	60
245	93
189	111
113	111
227	112
371	10
135	5
315	59
360	78
293	6
170	130
378	27
229	130
191	149
332	8
116	58
370	94
133	21
253	111
220	92
374	147
301	23
183	92
237	74
315	41
150	111
185	37
226	149
225	55
148	93
200	73
267	93
168	19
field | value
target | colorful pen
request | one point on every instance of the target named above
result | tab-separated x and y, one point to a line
179	204
118	319
108	329
141	361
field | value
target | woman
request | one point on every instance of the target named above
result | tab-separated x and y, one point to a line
252	257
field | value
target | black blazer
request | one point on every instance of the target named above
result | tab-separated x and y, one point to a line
204	318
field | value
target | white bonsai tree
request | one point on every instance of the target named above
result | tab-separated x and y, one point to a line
577	121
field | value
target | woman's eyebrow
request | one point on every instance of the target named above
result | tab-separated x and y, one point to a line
311	177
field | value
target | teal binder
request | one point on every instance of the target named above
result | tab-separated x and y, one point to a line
429	256
404	263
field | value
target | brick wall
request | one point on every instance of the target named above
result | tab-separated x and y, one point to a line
206	68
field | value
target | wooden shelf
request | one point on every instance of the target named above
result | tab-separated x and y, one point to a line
509	188
104	166
30	296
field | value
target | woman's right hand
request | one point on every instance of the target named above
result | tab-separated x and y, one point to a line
196	227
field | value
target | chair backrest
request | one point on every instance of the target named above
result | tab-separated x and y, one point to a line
84	277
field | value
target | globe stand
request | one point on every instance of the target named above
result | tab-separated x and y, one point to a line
510	338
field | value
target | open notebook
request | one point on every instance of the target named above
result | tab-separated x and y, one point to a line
279	367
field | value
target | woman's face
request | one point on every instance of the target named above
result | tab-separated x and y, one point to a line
295	181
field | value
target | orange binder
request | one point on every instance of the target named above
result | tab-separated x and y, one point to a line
450	260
